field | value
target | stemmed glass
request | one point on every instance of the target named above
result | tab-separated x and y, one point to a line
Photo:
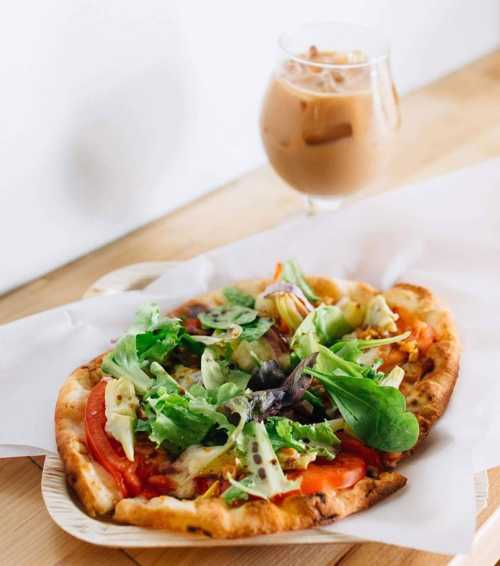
331	111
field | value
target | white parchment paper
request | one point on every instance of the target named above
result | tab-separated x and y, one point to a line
444	233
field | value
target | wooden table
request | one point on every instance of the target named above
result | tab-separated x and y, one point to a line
448	124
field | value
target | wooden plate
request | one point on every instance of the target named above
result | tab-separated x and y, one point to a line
67	513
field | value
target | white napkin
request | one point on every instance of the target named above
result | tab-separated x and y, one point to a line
443	233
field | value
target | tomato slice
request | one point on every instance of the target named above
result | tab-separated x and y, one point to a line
421	332
193	326
345	471
356	447
161	483
101	448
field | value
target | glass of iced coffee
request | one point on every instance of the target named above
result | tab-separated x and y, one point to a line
331	112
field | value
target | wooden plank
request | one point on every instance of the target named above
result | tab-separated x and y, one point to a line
27	534
288	555
447	125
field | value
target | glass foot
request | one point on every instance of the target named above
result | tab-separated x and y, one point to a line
315	205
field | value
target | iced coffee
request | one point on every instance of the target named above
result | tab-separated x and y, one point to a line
328	121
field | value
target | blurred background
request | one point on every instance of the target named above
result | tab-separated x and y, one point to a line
118	111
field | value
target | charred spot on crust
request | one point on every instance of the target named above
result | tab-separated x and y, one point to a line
321	496
328	518
195	530
428	366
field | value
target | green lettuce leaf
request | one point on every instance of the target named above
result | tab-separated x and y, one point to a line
266	478
317	437
321	326
123	361
216	372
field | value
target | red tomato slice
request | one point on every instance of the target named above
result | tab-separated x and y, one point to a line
122	470
161	483
421	332
343	472
356	447
192	325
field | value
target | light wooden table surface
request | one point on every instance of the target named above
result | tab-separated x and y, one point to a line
447	125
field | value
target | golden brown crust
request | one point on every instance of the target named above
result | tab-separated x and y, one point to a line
427	398
93	484
429	395
214	518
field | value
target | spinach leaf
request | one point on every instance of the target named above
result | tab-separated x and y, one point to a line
376	414
256	329
236	296
225	316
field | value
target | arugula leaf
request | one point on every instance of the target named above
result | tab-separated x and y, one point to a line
256	329
376	414
293	274
225	316
353	348
332	363
236	296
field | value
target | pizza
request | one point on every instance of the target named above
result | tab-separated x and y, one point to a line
266	406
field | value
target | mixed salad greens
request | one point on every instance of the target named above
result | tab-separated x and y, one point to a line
251	392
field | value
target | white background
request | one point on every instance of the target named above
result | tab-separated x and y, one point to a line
116	111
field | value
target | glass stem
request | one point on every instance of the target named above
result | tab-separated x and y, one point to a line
315	205
312	209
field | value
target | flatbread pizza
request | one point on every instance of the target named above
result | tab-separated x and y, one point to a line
270	405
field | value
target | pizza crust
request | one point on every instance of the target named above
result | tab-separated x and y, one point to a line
427	399
214	518
94	485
